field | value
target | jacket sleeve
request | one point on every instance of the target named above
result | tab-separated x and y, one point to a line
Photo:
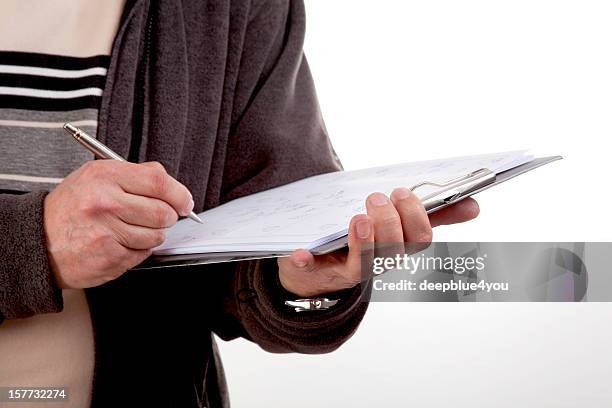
26	282
278	136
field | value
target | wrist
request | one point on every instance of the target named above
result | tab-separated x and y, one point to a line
312	285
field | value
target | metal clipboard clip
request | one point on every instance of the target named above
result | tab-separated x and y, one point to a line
455	189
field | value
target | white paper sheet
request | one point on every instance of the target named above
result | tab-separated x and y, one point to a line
316	210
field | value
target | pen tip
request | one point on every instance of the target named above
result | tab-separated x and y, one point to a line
195	218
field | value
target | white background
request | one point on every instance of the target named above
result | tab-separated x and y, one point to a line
401	81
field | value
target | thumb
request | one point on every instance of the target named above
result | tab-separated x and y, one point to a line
300	260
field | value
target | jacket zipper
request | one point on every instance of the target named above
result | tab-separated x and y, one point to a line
138	128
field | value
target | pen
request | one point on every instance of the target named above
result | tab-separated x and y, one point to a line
103	152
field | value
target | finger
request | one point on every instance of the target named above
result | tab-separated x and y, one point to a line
136	257
302	260
137	237
151	180
414	219
387	223
361	253
297	272
462	211
125	259
386	220
146	212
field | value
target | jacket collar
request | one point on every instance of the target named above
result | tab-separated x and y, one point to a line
129	4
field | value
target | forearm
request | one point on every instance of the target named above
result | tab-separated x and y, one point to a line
27	286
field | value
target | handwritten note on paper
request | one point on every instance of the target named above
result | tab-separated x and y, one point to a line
316	210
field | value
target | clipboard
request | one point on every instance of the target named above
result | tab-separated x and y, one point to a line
448	193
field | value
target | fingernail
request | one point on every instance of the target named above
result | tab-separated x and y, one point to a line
363	229
191	205
300	264
402	193
378	199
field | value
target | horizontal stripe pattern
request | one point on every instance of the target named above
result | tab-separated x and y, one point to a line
30	179
51	82
38	94
27	59
42	82
51	105
38	153
37	116
45	93
47	125
51	73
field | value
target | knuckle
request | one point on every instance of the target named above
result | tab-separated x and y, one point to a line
172	217
98	169
89	170
88	206
123	237
158	237
162	217
95	204
157	166
91	166
391	221
159	183
108	204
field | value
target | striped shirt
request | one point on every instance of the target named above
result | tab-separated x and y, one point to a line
52	70
38	94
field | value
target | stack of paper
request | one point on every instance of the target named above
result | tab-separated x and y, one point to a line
314	211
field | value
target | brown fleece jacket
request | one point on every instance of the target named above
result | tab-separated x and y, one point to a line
220	93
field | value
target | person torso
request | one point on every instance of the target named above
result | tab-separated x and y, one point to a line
54	57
